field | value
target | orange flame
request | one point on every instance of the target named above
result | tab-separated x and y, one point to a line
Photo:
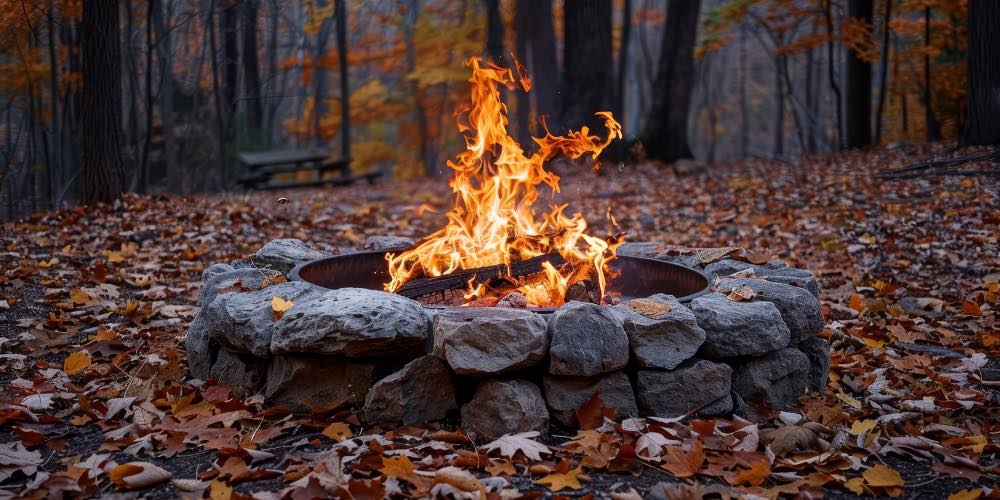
493	221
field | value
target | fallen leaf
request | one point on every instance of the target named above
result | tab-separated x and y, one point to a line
882	477
683	464
741	293
559	481
398	466
338	431
501	468
279	306
76	362
754	476
967	494
592	414
134	475
510	444
790	438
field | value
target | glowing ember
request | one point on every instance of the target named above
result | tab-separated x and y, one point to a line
493	221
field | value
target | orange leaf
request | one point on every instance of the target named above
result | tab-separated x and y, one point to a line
338	431
856	303
971	308
969	494
684	464
76	362
558	481
883	477
398	466
591	415
279	306
753	476
135	475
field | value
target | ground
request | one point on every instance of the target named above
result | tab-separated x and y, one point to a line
95	303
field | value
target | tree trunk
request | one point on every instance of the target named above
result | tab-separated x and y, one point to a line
884	70
523	20
251	70
345	87
588	62
230	64
931	123
626	35
423	126
319	76
859	84
982	124
101	106
665	135
164	51
494	32
831	62
220	126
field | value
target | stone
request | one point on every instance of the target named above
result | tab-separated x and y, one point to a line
564	395
738	328
283	255
201	351
587	340
776	271
353	322
502	407
301	382
697	386
422	390
219	278
662	333
381	243
243	374
489	341
244	321
799	309
689	260
817	349
639	249
777	379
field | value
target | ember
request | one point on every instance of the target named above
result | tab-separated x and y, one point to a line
493	225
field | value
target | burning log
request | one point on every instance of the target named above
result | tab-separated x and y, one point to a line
584	285
460	280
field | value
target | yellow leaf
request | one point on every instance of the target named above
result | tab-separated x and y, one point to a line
557	481
883	477
279	306
76	362
398	466
220	491
969	494
48	264
849	400
862	426
855	485
873	343
338	431
78	296
501	468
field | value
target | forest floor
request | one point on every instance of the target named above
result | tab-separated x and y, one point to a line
95	304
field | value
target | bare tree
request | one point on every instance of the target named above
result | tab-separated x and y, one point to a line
251	70
588	64
982	125
101	106
859	84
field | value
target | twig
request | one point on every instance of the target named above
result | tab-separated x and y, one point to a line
932	164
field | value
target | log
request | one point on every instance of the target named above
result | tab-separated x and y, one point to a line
460	279
584	285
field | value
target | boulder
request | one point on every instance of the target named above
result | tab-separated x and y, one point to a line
662	333
697	386
689	260
353	322
777	379
244	374
244	321
776	271
639	249
423	390
818	351
587	340
738	328
300	382
489	341
564	395
502	407
799	309
201	351
283	255
382	243
217	279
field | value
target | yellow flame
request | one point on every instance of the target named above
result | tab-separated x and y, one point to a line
493	221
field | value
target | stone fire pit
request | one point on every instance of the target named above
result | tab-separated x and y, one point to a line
509	370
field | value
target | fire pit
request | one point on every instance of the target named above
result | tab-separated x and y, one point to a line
636	277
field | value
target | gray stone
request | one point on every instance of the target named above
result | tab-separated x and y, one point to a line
697	386
799	309
502	407
738	328
818	351
587	339
489	341
662	333
201	351
244	321
639	249
777	379
423	390
243	373
353	322
689	260
283	255
216	279
564	395
300	382
379	243
776	271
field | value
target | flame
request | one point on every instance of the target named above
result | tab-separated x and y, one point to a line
493	221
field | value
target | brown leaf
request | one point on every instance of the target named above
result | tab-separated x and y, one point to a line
683	464
790	438
592	414
134	475
76	362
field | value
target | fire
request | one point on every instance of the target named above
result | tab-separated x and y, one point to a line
493	221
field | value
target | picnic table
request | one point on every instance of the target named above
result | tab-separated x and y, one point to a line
264	166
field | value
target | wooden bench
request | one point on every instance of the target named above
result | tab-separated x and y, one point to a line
265	166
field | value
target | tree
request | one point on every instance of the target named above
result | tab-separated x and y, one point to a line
494	31
588	63
536	49
101	105
251	70
982	124
665	134
859	82
345	87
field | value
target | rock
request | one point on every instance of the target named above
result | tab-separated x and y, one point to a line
244	321
738	328
776	271
697	385
587	339
489	341
639	249
799	309
662	333
353	322
300	382
564	395
777	379
502	407
244	375
249	279
818	351
201	351
380	243
283	255
690	260
423	390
